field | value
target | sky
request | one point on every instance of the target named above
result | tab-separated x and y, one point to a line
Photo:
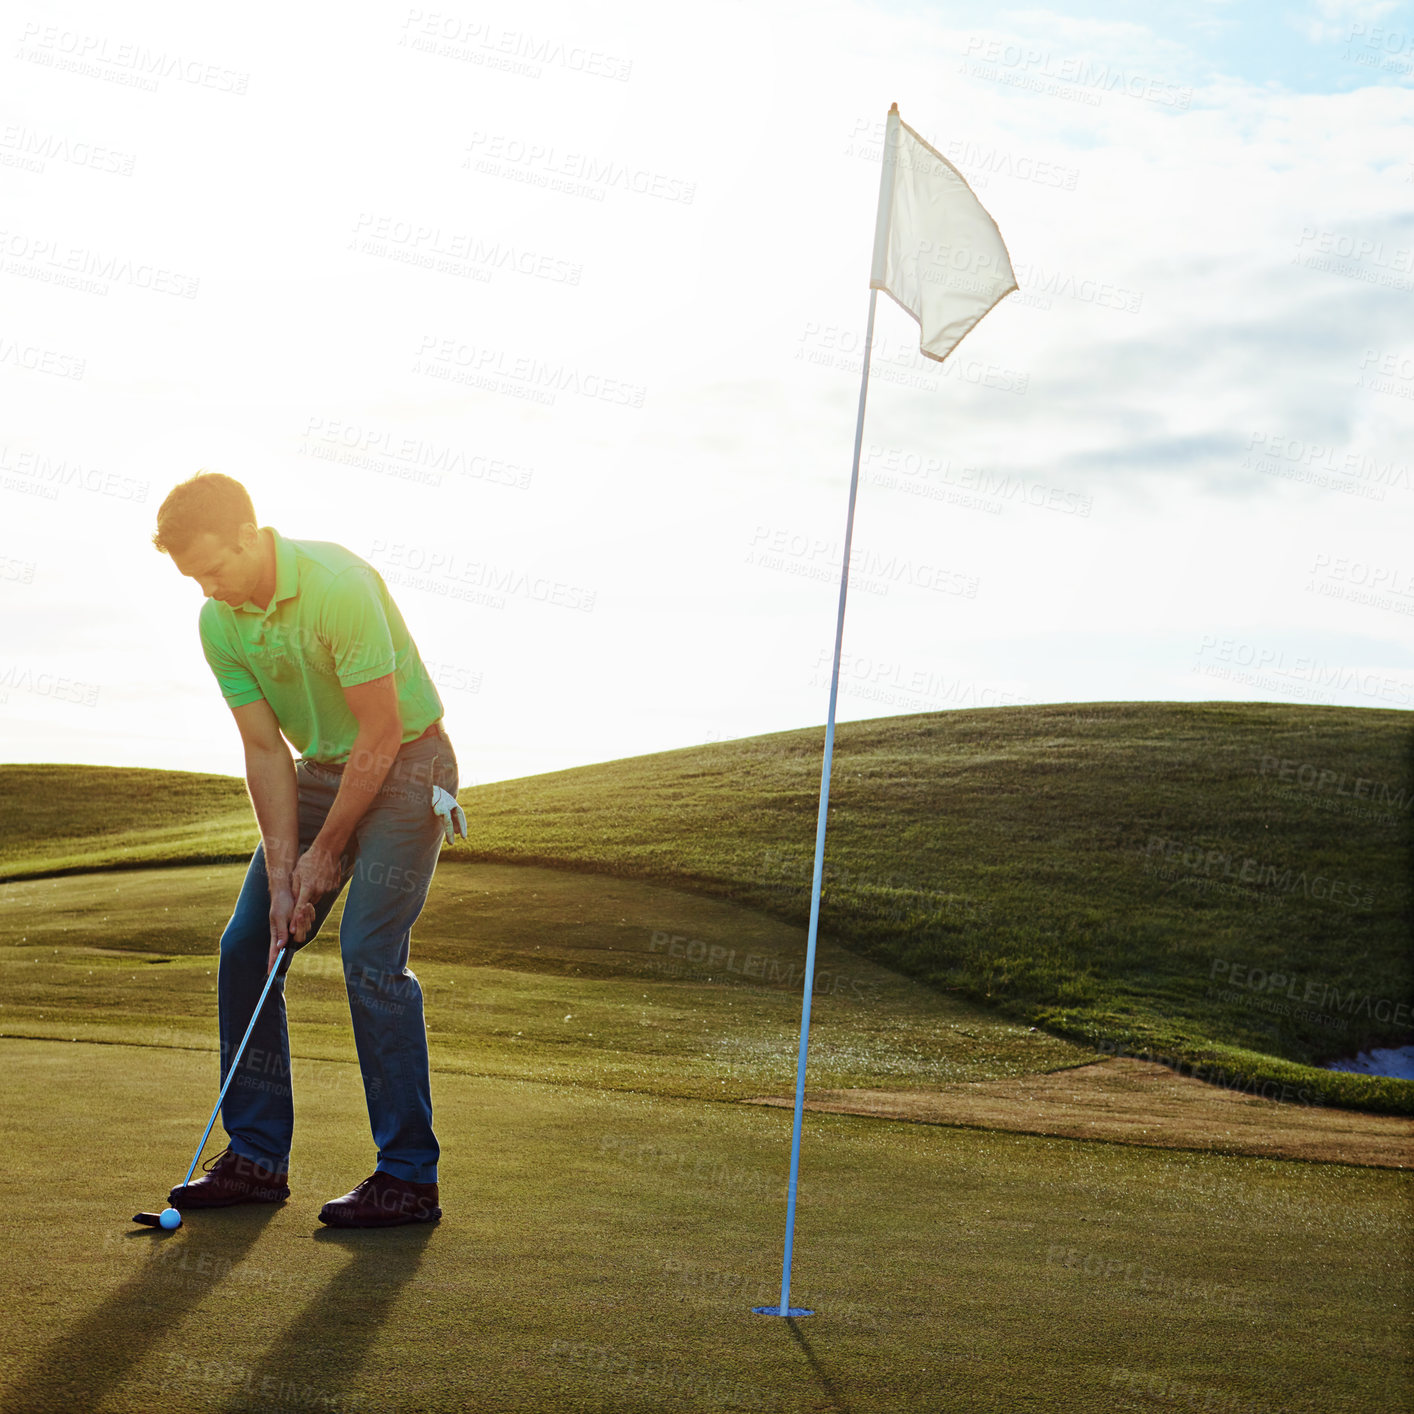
555	315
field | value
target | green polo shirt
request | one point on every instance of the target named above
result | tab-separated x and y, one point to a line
330	624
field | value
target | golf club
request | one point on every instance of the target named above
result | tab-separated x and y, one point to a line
162	1219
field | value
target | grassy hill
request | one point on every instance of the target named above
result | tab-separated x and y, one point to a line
66	819
1223	886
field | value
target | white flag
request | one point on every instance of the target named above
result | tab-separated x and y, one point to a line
936	251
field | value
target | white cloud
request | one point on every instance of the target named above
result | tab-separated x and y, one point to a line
1331	20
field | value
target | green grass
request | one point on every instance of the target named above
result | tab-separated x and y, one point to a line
1014	857
68	819
530	973
600	1252
612	1211
1011	856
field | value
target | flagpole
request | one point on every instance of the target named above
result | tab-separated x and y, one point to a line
932	189
785	1308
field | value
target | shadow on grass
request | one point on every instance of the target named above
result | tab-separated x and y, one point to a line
342	1323
833	1393
81	1365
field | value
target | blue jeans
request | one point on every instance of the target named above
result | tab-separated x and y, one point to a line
388	866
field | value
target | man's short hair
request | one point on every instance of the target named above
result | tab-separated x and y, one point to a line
208	501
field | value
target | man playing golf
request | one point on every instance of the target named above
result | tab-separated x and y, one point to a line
305	640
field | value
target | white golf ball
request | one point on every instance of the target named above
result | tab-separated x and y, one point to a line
170	1219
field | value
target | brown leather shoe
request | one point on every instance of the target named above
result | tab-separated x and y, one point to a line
382	1200
231	1178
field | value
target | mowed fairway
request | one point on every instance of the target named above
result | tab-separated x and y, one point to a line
612	1210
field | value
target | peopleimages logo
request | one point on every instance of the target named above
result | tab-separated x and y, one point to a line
1181	860
56	472
120	61
1316	463
576	173
1363	249
1310	993
1261	665
511	51
31	148
895	468
37	359
715	960
519	375
51	260
456	577
454	252
45	684
1326	778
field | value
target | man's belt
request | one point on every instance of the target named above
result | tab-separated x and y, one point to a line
436	729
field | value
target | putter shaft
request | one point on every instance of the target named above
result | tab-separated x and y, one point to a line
235	1062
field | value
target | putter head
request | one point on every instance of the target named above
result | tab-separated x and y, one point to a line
147	1219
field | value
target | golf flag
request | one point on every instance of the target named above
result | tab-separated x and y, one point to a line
939	254
936	251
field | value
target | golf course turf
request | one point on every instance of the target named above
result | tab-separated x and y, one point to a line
614	1209
601	1251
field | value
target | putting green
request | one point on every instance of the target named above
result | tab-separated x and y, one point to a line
601	1251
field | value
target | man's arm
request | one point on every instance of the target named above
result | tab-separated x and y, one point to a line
270	778
380	734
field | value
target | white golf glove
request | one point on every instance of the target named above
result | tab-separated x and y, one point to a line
453	816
